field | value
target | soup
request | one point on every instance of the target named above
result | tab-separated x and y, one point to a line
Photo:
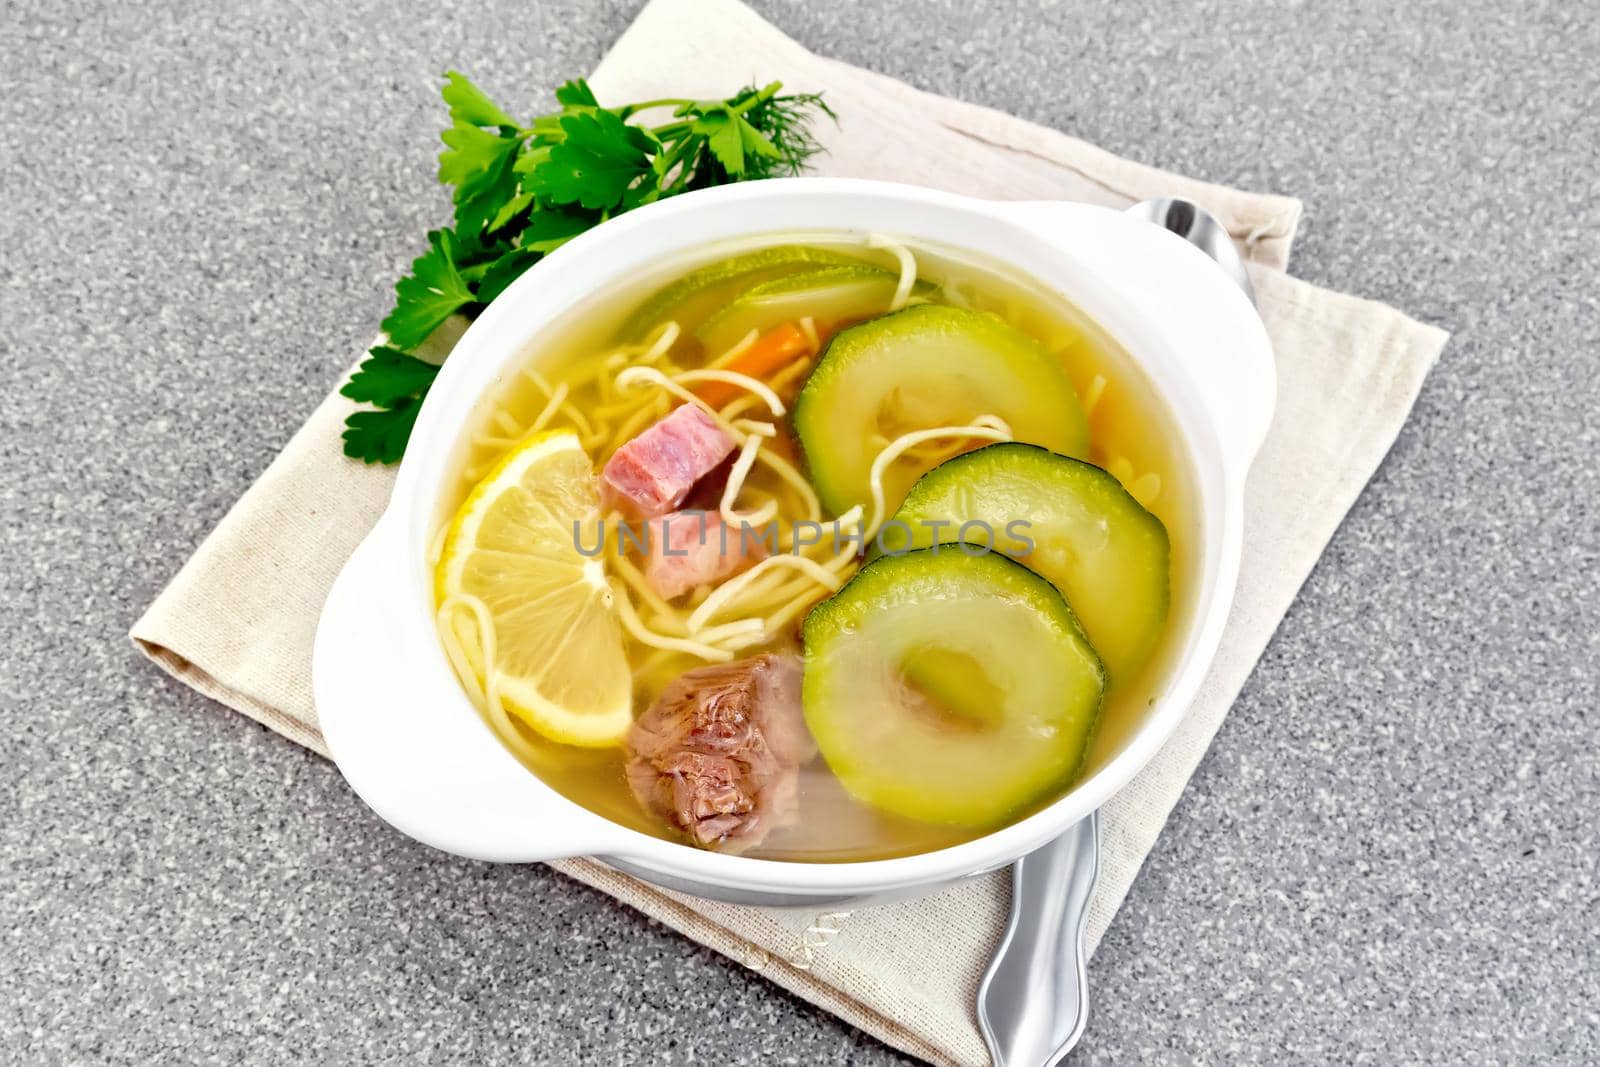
817	547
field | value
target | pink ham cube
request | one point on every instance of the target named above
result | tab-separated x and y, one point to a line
690	547
652	473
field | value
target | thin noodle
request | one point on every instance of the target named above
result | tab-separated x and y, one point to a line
777	619
436	546
623	407
550	408
485	695
736	477
636	581
908	267
567	407
736	351
645	636
650	375
743	381
786	471
988	427
663	342
808	326
731	588
720	635
781	380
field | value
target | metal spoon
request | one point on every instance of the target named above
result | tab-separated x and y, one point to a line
1033	1003
1034	1000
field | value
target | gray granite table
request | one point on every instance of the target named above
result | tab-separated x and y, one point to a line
1390	853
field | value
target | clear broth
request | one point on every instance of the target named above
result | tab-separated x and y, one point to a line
1128	421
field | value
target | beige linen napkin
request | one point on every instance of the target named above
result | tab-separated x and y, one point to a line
237	621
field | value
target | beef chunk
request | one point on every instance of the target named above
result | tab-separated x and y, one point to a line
718	755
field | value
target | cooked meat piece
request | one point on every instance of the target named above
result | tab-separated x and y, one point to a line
718	755
690	547
651	474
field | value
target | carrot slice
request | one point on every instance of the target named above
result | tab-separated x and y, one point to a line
771	351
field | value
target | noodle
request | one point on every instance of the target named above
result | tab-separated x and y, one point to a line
736	351
485	695
568	408
636	581
725	592
645	636
743	381
988	427
795	480
550	408
436	546
781	380
908	268
736	477
628	378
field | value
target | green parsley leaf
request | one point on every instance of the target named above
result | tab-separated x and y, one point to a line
481	199
471	105
380	436
522	191
389	376
497	276
510	210
576	93
550	228
431	293
722	136
599	159
472	156
754	141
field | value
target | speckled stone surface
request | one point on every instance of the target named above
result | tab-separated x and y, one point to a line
1390	854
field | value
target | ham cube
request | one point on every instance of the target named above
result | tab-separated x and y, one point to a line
690	547
651	474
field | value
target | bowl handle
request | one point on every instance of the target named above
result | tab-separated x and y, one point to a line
1177	291
406	737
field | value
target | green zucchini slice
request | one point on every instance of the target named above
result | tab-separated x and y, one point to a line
924	367
949	687
1064	519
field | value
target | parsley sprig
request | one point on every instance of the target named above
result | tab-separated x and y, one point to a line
520	191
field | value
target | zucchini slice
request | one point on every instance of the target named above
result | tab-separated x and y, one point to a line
920	368
831	296
702	291
1065	519
949	687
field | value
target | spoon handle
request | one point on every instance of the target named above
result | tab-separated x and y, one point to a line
1034	1000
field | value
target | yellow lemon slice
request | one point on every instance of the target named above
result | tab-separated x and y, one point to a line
556	644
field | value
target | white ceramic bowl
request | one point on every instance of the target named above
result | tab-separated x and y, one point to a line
410	743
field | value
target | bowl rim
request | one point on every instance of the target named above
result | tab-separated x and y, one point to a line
499	338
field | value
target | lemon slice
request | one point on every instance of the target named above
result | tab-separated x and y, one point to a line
558	653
